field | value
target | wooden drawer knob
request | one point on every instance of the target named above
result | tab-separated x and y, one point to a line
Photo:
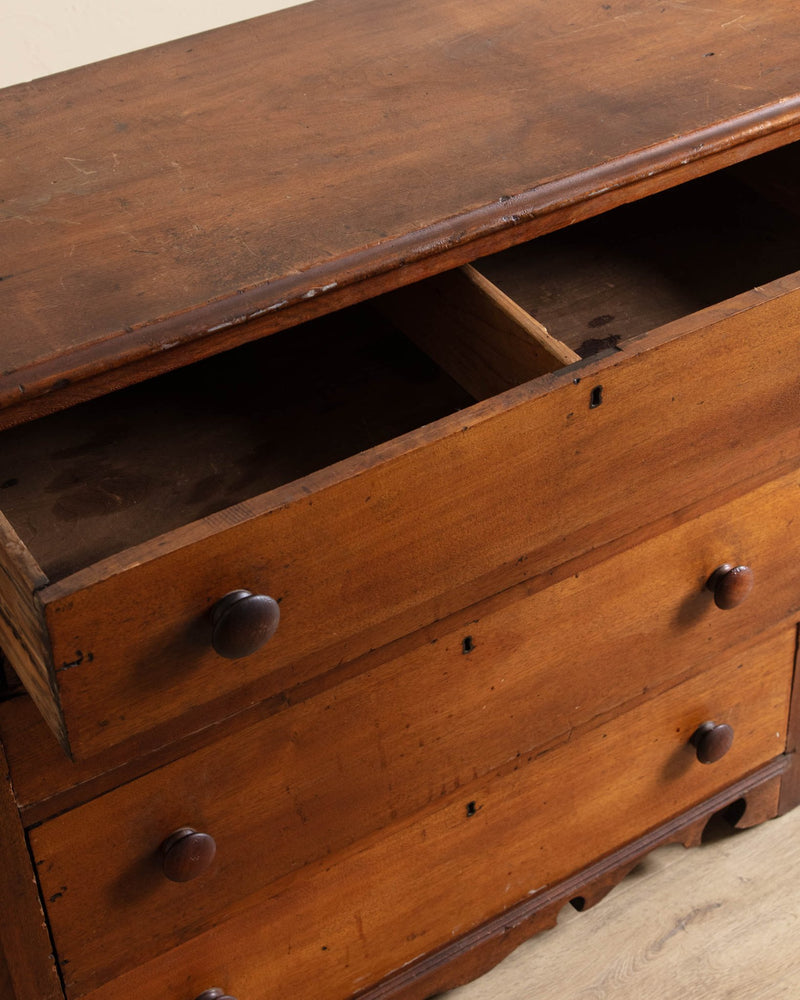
242	622
730	585
712	741
187	854
214	994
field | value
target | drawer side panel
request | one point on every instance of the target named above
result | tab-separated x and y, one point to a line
24	639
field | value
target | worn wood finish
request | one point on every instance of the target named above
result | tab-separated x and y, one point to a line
47	783
712	921
6	986
27	969
395	897
103	489
480	336
525	663
470	957
603	281
85	484
23	633
670	430
112	189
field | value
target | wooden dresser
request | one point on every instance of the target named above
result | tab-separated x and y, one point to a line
400	476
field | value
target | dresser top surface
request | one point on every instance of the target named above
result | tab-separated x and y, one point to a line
158	199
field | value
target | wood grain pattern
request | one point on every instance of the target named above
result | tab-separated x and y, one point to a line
673	428
85	484
716	922
480	336
613	277
26	960
142	239
476	953
23	632
395	897
48	783
540	664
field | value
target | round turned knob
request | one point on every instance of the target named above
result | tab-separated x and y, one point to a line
712	741
242	622
730	585
214	994
187	854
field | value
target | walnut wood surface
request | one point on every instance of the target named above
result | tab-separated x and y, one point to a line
131	480
465	960
408	891
27	970
47	783
6	986
270	168
123	470
360	757
661	440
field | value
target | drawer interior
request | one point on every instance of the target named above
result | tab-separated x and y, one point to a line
80	485
603	281
86	483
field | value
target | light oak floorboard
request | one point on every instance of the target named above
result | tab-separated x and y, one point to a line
716	922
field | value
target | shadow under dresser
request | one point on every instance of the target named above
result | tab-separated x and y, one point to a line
399	469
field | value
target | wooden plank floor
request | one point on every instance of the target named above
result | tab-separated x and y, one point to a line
717	922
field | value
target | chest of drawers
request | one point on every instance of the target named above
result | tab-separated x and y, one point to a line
399	466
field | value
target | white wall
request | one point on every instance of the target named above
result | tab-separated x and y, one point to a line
38	37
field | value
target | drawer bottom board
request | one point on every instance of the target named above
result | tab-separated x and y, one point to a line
352	921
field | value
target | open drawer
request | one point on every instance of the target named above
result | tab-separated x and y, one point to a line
169	468
336	470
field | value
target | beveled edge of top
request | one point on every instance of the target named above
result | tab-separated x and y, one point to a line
132	355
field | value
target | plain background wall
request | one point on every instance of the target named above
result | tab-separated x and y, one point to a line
38	37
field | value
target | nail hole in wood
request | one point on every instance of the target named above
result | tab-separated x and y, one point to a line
467	644
596	397
472	808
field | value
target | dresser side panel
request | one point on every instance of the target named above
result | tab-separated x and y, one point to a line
26	954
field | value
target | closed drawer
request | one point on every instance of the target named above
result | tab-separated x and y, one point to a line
115	642
520	675
354	917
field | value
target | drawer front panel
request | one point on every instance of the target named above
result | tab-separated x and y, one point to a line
542	646
400	536
352	919
313	778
